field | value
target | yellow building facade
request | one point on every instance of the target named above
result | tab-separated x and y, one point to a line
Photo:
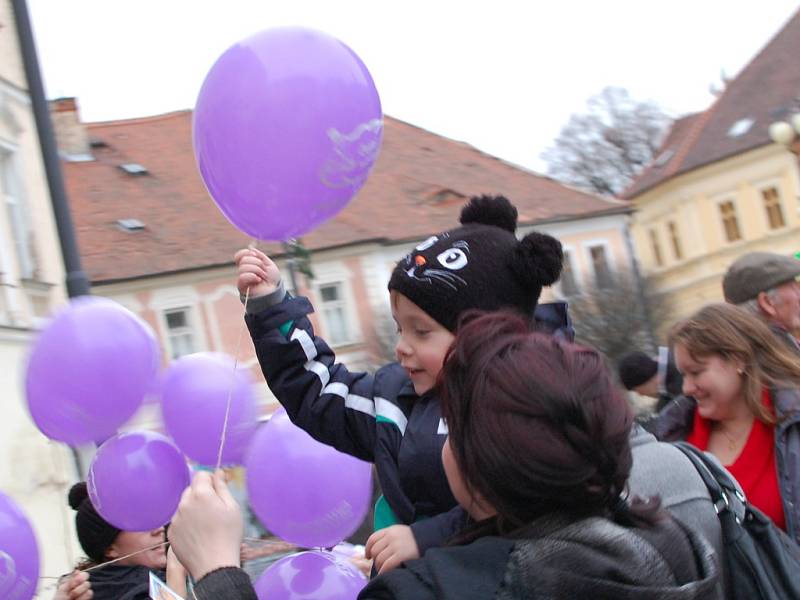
719	186
688	230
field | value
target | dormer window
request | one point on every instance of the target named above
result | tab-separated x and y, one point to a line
741	127
134	169
130	225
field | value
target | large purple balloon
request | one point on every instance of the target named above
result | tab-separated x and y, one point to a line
19	554
89	371
311	576
194	396
286	129
136	480
303	491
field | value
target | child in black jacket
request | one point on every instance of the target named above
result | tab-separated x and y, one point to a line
392	418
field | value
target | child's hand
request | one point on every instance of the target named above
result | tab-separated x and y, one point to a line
257	272
207	530
75	587
391	546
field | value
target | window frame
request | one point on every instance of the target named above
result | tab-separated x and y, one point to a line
778	204
722	221
570	257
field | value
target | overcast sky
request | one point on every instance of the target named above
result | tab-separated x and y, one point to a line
501	75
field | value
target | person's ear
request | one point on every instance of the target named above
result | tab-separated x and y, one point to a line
112	552
765	304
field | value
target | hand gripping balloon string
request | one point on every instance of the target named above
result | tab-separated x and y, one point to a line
233	376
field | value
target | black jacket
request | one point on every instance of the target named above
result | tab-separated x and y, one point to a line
121	583
592	558
378	418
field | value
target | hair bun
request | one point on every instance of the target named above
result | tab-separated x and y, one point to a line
538	259
77	494
490	210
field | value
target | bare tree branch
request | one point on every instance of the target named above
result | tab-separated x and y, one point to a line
604	149
616	318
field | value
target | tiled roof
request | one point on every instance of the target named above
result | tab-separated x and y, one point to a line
764	91
417	188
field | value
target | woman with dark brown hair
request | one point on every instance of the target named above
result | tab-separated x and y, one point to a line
538	454
741	404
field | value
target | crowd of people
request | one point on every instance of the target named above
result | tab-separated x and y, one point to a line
509	459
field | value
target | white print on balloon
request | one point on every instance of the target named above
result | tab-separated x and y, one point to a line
354	154
91	487
342	513
11	587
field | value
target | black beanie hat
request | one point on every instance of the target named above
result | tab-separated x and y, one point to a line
636	368
94	533
480	265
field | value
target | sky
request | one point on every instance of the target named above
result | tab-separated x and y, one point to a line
501	75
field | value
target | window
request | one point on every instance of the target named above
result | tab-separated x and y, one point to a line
772	204
179	331
17	216
334	314
569	286
655	246
602	272
730	222
675	238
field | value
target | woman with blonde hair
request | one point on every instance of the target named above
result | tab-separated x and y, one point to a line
741	404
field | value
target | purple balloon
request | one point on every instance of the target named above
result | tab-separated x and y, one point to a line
311	576
89	371
19	554
136	480
303	491
286	129
194	396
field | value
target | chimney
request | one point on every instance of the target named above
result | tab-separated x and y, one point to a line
70	133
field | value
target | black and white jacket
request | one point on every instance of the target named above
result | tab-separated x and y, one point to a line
377	418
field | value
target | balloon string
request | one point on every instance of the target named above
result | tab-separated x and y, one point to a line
233	383
111	562
269	542
58	457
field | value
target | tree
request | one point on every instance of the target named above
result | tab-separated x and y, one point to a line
618	318
604	149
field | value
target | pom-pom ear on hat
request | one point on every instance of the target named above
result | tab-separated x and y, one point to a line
538	259
490	210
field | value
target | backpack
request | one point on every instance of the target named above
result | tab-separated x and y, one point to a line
760	560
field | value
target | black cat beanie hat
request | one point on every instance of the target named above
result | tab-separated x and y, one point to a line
480	265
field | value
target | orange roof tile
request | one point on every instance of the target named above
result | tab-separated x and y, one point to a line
415	190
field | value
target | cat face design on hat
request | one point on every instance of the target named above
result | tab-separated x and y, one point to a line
480	265
438	260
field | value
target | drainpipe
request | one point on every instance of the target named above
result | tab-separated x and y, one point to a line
76	280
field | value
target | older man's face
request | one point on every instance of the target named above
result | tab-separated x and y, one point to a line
785	307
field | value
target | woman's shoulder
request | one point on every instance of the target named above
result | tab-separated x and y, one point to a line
576	559
787	401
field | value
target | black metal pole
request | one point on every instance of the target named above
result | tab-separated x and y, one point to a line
76	279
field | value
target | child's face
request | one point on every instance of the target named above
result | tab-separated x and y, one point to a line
422	345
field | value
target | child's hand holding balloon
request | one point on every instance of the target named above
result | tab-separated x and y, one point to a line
257	272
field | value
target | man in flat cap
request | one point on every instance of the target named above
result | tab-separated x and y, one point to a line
768	285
